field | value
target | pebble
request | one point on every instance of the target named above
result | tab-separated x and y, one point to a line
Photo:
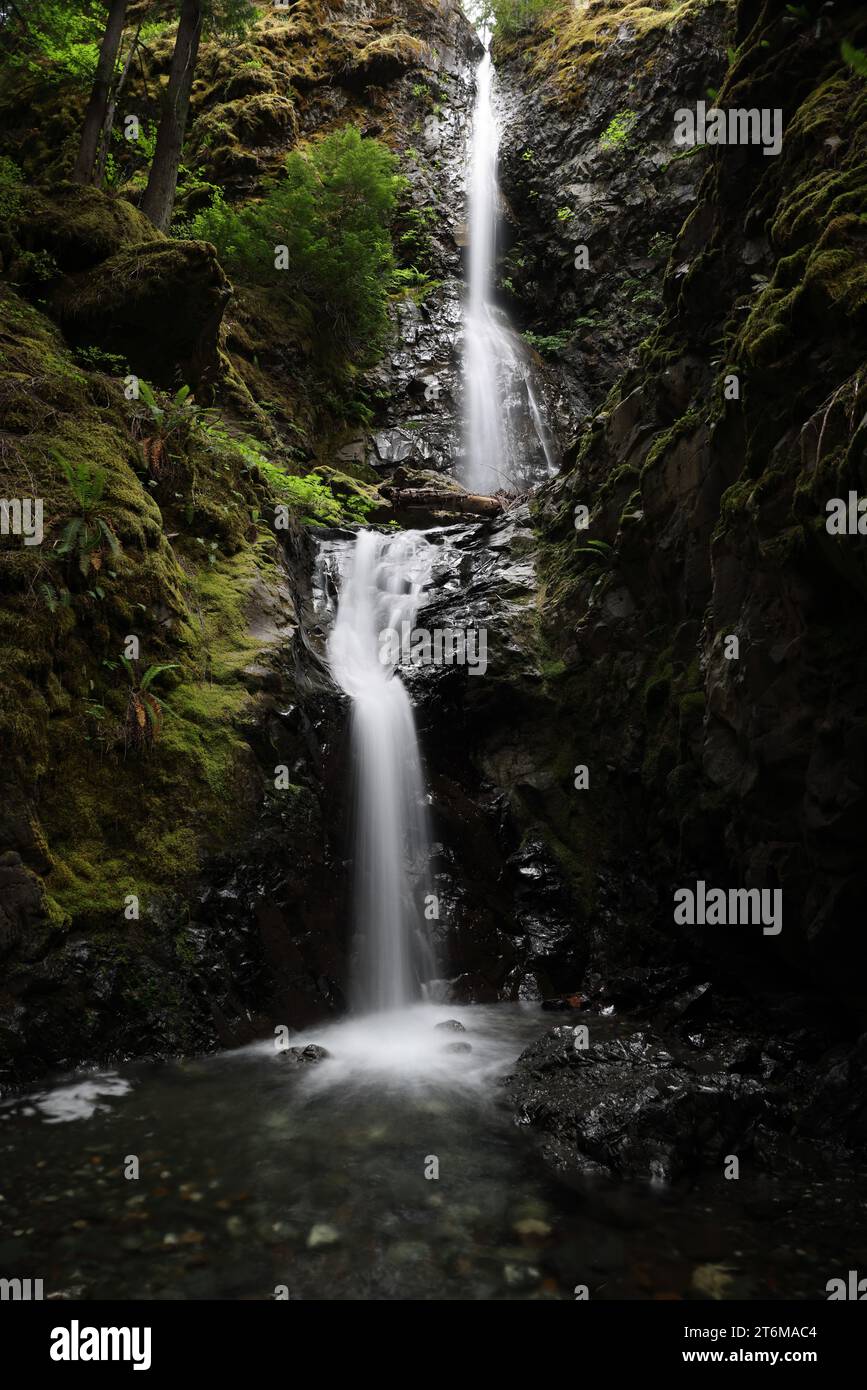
531	1227
520	1276
322	1235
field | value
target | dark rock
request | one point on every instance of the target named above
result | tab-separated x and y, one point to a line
631	1105
311	1053
458	1047
452	1024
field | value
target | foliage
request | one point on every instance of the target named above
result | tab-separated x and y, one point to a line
11	188
600	549
126	158
96	360
855	57
56	33
144	711
85	534
164	429
511	17
35	268
332	211
413	235
547	344
618	130
660	246
230	18
312	498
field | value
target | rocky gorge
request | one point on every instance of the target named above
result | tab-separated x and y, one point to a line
674	689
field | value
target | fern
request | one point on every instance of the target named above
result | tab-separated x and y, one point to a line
855	57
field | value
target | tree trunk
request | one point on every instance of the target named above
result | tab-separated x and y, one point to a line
159	196
108	120
411	497
99	95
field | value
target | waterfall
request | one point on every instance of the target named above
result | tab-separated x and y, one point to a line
506	442
380	589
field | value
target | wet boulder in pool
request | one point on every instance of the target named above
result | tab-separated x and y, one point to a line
311	1053
451	1025
458	1047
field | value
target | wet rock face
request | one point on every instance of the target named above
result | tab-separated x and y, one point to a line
418	379
629	1106
589	164
696	642
690	1085
510	924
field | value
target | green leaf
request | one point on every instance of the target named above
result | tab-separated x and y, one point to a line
855	57
152	672
108	533
70	535
152	714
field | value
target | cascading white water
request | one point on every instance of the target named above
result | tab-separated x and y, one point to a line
380	590
497	377
486	440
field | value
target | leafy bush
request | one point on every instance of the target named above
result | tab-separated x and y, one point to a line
57	34
332	211
87	532
548	344
144	711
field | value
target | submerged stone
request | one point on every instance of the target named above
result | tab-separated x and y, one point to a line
322	1235
311	1053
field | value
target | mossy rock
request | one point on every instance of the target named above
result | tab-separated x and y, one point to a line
81	227
265	118
159	305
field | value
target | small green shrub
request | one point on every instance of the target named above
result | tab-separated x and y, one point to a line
332	211
547	344
85	534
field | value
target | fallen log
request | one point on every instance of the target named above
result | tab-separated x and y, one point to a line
440	499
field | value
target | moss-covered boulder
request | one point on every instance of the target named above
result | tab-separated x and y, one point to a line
81	227
158	305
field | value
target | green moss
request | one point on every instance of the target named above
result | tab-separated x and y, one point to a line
817	229
143	826
114	820
568	43
692	706
80	226
665	440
